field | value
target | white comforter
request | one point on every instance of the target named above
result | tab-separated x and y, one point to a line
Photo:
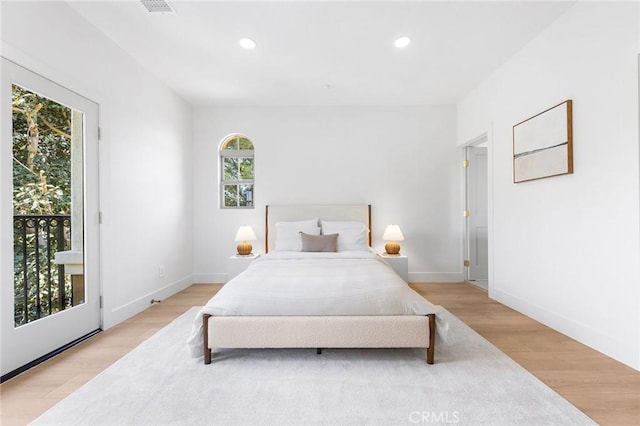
310	284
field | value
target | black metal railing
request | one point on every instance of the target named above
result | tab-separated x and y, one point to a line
41	287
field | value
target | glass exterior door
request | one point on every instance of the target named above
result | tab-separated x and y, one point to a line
49	146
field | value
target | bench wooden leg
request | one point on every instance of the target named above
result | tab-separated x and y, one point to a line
431	350
205	338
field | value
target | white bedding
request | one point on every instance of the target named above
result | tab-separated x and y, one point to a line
314	284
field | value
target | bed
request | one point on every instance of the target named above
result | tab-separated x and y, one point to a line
288	298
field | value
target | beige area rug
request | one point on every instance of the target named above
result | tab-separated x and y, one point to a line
157	383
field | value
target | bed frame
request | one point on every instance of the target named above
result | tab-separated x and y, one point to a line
382	331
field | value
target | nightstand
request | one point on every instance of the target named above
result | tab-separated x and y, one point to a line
399	263
238	263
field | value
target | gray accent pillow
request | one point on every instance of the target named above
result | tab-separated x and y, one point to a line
317	243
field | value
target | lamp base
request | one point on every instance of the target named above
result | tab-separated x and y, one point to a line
392	247
244	248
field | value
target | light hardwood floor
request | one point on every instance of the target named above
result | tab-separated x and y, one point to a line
604	389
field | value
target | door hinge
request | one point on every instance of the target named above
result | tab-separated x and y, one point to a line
100	218
466	213
101	301
467	263
99	134
465	163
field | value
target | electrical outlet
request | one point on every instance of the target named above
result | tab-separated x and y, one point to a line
161	271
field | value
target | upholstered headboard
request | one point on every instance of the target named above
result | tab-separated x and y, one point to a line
284	213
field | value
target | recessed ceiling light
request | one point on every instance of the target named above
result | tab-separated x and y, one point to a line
402	42
247	43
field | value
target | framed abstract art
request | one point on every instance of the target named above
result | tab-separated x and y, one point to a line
543	144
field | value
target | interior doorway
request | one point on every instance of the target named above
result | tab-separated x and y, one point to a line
476	195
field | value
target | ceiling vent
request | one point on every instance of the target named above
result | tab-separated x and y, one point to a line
158	6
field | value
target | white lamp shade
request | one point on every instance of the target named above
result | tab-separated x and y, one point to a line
245	233
393	233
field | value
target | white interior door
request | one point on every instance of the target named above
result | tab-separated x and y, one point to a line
477	205
49	227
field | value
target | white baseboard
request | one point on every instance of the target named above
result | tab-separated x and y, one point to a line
121	313
214	278
623	351
436	277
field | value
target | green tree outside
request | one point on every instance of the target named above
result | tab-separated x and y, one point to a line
41	186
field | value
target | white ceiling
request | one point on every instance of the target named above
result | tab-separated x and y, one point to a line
323	52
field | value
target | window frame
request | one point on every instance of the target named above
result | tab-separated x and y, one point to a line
235	153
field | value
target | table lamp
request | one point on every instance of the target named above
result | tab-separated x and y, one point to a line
243	236
392	234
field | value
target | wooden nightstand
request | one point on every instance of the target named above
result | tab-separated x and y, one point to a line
399	263
238	264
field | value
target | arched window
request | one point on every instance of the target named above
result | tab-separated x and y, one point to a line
236	172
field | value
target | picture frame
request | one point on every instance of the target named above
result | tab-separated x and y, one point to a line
543	144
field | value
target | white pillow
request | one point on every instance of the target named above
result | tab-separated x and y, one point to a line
288	234
352	236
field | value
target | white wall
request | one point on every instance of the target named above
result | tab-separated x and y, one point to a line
565	250
146	187
403	161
